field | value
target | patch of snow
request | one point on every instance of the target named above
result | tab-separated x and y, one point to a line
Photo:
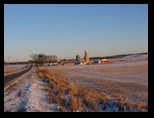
99	65
15	66
32	97
29	97
132	57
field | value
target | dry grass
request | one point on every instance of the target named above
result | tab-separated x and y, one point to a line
73	106
80	95
112	87
121	106
11	70
62	88
139	105
94	106
129	106
87	100
53	98
62	109
117	97
75	103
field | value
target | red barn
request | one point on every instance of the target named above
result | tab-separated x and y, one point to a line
104	61
83	62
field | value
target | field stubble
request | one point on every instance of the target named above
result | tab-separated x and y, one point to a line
77	90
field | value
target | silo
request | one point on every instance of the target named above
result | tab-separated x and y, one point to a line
86	57
77	57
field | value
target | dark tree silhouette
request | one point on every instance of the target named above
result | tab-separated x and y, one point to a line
40	59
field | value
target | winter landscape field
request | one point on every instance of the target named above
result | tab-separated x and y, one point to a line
8	69
119	86
76	57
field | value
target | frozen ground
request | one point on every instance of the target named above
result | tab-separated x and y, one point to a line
96	71
27	93
15	66
135	57
29	96
91	72
83	67
130	77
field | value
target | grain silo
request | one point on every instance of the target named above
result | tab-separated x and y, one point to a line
86	57
77	57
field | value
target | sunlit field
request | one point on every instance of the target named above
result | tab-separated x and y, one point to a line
13	68
105	87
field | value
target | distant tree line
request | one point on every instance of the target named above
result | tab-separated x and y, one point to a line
116	56
40	59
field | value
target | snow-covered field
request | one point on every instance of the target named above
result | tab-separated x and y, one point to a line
135	57
15	66
9	69
129	79
135	73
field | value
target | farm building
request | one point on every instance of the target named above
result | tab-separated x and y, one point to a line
52	64
80	62
97	61
104	61
77	57
83	62
101	61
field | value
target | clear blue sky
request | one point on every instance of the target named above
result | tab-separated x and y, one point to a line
66	30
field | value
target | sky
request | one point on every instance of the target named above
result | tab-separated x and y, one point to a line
66	30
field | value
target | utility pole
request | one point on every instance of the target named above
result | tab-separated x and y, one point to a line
8	59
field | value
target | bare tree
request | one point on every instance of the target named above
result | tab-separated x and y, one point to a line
54	57
39	59
51	58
